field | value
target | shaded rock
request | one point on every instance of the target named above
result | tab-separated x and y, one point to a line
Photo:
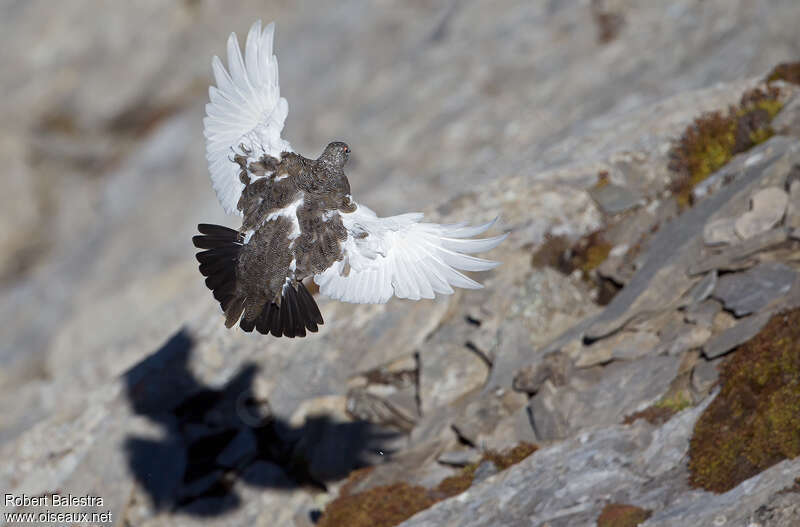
330	405
768	208
746	292
732	337
396	409
242	447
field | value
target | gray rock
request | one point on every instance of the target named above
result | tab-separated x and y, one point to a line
485	470
460	457
613	199
626	345
554	366
720	232
749	291
734	257
793	209
787	122
704	375
480	419
768	208
509	431
732	337
690	338
701	290
601	395
569	482
703	314
447	371
548	422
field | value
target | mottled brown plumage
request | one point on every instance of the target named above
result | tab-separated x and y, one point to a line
290	231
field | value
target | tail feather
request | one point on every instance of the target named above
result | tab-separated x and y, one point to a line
293	314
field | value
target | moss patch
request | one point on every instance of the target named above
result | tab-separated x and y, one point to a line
754	422
585	254
715	137
661	411
619	515
390	505
787	71
379	507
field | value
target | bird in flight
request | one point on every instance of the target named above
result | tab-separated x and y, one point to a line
299	219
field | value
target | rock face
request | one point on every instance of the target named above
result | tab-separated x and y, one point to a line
599	338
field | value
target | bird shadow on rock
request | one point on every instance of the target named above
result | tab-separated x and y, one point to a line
214	440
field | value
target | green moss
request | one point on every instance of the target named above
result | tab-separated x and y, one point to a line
715	137
589	252
390	505
661	411
788	72
619	515
502	460
754	422
378	507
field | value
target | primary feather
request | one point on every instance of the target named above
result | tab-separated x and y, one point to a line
246	110
403	257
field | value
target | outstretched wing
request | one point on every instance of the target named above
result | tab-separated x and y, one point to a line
403	257
246	109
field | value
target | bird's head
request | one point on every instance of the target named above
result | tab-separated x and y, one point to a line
336	154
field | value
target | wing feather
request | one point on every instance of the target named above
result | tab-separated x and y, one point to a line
402	256
245	108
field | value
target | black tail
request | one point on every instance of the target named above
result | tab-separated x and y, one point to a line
296	313
297	310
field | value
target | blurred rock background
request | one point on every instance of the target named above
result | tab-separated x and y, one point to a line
118	377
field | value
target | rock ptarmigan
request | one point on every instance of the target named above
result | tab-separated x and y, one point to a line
299	219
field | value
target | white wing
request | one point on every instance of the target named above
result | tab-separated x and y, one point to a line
403	257
246	108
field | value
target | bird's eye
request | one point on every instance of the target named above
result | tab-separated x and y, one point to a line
346	149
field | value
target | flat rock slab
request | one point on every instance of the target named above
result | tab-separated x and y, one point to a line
734	336
769	206
749	291
601	395
613	198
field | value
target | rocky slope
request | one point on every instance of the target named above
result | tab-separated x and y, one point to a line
637	268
